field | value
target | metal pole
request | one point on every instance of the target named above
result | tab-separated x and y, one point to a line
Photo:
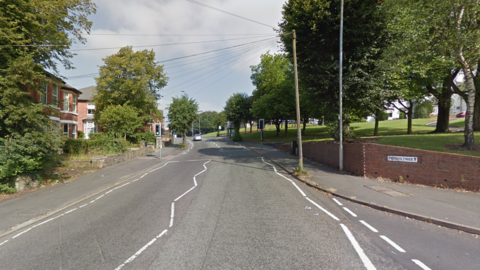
297	96
340	117
199	130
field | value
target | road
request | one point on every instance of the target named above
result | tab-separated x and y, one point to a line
222	206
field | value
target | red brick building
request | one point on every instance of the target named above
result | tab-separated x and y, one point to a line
63	100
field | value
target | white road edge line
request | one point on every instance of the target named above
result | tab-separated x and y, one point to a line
393	244
335	200
21	233
419	263
171	216
68	212
140	251
3	242
291	181
366	261
349	211
323	209
368	226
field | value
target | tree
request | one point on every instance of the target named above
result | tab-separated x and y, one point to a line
235	111
452	32
120	120
132	78
274	96
219	121
181	113
317	26
206	122
26	143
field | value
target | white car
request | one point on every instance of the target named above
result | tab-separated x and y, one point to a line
197	137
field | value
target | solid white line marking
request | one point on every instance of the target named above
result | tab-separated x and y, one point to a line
68	212
393	244
195	181
44	222
323	209
171	216
275	169
184	194
350	212
22	233
3	242
111	190
369	226
335	200
419	263
366	261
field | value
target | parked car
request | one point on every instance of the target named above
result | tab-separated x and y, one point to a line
462	114
197	137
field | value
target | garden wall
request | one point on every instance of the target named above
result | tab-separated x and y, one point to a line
399	163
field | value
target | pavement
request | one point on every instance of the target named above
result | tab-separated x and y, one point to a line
29	207
449	208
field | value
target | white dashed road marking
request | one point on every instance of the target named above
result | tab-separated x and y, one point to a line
350	212
393	244
422	265
368	226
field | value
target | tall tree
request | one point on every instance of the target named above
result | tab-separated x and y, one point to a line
317	26
235	111
181	113
35	36
120	120
219	121
132	78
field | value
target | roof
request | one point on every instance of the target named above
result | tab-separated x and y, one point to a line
87	93
65	86
71	88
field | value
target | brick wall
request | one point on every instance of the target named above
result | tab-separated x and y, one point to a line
82	113
432	168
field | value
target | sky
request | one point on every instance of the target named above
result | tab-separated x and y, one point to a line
210	78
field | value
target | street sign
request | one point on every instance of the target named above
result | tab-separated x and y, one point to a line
220	127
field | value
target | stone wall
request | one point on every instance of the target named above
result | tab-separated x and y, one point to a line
371	160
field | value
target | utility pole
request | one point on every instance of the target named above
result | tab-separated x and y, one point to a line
192	129
297	96
199	130
340	117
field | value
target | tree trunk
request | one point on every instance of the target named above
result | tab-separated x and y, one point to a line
377	114
185	138
305	120
251	126
277	125
469	135
476	111
410	116
286	129
444	103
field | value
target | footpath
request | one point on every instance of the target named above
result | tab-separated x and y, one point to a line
448	208
29	207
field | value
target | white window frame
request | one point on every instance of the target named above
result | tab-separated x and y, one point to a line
74	131
65	125
74	103
55	95
43	93
66	101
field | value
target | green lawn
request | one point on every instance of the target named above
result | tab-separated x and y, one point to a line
364	129
457	123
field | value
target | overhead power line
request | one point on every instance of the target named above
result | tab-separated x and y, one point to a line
198	35
167	44
226	12
179	58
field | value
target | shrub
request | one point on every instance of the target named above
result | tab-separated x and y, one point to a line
81	134
334	130
402	115
181	145
98	141
383	116
146	136
7	189
423	109
236	136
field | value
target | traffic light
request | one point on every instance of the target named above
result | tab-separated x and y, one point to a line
158	129
261	124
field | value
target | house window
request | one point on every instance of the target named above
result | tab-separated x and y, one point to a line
74	103
66	101
90	108
90	127
74	131
65	129
43	93
55	95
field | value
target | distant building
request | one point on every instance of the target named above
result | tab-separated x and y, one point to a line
64	102
458	104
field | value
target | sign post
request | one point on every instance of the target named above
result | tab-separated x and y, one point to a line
158	134
261	126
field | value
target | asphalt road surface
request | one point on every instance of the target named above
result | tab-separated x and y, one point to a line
222	206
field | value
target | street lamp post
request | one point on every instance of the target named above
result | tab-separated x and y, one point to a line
297	97
340	117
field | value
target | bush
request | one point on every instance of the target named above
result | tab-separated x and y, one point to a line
98	141
236	136
423	109
181	145
146	136
81	134
402	115
7	189
383	116
334	130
